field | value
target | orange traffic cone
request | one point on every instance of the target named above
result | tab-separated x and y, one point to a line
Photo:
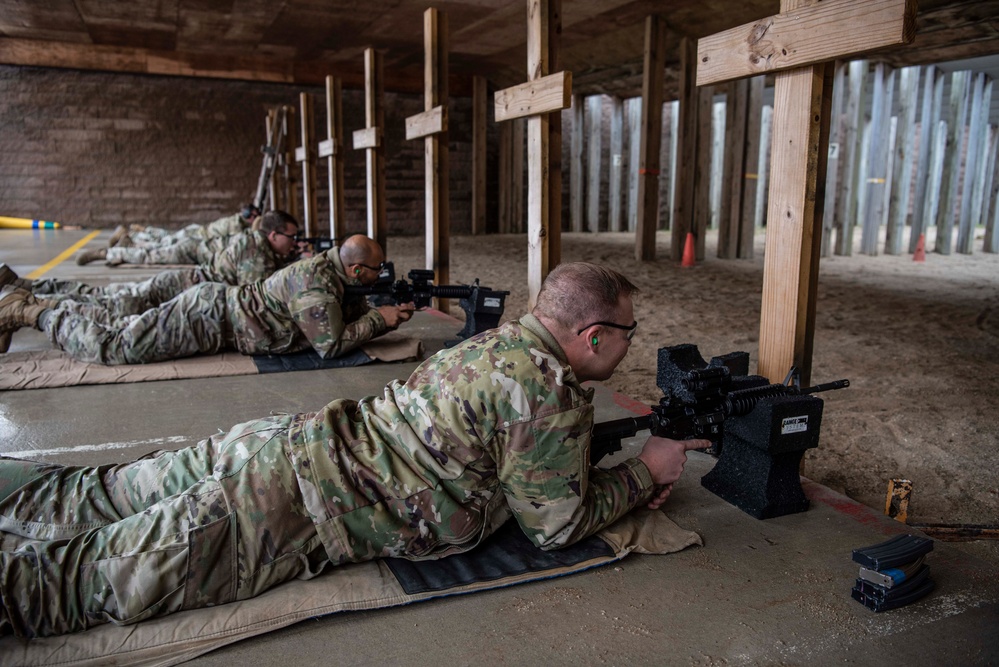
920	254
688	251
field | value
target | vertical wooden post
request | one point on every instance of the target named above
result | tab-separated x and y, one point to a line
991	242
683	208
929	118
965	228
275	125
290	180
901	182
576	165
479	153
371	140
517	175
633	111
847	211
616	165
763	170
983	176
666	166
594	151
504	180
306	156
877	161
332	150
837	134
734	174
702	169
959	90
653	73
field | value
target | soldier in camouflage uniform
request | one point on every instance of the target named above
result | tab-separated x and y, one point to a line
298	307
249	256
188	248
496	427
149	236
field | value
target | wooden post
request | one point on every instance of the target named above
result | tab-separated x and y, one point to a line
480	109
290	181
305	155
702	169
633	113
543	94
371	141
976	137
667	165
517	131
683	206
929	117
901	182
332	150
991	243
750	170
802	101
847	211
763	179
837	133
653	74
431	126
275	125
576	163
733	178
983	176
594	150
877	162
960	87
616	165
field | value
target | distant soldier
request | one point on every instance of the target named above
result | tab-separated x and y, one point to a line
148	236
300	306
248	257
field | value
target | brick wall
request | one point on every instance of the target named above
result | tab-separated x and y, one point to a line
99	149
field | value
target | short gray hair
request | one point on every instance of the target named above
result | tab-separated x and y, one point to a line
577	293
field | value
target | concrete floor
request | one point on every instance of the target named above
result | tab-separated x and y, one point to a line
757	592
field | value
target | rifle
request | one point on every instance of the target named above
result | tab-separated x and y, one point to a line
769	426
319	243
271	152
483	306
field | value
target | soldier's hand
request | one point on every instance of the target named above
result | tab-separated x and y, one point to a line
396	315
662	493
665	458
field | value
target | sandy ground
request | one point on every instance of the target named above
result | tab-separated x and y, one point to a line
919	342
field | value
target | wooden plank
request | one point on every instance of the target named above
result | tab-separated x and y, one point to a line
805	36
480	155
763	171
426	123
517	221
308	162
734	175
374	157
877	161
846	213
702	169
335	157
291	200
554	143
683	208
991	241
369	137
938	155
576	180
594	162
616	165
274	125
533	98
653	75
633	112
976	139
436	163
837	133
960	89
929	117
667	165
326	148
901	182
747	217
505	179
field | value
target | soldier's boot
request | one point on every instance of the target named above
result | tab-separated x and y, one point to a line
125	242
9	277
87	256
135	228
18	308
119	233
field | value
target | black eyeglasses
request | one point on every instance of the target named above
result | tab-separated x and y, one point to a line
287	236
630	328
377	269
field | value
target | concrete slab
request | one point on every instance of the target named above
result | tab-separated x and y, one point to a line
757	592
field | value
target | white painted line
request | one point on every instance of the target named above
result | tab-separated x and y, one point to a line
30	453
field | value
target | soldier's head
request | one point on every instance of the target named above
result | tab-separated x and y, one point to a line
588	309
363	258
280	228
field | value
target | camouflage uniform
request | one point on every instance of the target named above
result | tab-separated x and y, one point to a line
497	426
223	227
247	258
297	307
185	251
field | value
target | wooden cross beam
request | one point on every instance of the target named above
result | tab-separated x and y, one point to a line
431	126
541	100
305	155
799	43
370	140
332	149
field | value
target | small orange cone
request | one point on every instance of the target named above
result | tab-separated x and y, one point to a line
688	251
920	254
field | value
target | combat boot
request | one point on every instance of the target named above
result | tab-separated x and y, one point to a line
120	232
18	308
9	277
87	256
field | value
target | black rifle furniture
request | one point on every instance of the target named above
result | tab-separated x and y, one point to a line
758	430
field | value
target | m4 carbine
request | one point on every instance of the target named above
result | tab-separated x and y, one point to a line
483	306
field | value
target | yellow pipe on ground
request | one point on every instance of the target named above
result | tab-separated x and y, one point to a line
26	223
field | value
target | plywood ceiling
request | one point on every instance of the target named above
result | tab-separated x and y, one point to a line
301	41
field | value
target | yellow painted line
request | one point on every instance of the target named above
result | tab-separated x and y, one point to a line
62	257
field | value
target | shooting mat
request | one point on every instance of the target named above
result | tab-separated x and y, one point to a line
505	559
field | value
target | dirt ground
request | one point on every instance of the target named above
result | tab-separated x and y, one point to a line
919	342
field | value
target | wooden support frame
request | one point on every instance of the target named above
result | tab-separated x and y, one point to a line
653	75
305	155
683	204
480	108
431	126
332	150
541	100
369	139
802	103
290	196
